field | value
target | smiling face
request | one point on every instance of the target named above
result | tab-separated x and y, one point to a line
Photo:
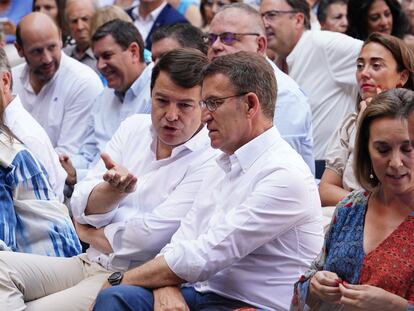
336	18
379	18
117	65
228	126
391	152
176	113
377	68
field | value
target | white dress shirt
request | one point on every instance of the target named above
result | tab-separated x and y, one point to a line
254	228
145	220
63	105
144	25
293	117
34	137
108	112
323	63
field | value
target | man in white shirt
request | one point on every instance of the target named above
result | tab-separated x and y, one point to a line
119	50
28	131
323	64
254	227
151	172
239	27
55	89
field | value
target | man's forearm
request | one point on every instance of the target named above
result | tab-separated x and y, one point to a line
103	199
154	274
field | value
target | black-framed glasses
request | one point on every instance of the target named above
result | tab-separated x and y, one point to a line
227	38
213	103
274	14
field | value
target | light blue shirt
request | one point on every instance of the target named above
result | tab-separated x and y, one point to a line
293	117
108	112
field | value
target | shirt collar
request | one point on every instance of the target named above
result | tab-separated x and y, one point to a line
151	16
138	85
197	142
247	154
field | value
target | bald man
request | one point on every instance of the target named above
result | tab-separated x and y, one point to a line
79	16
57	90
239	27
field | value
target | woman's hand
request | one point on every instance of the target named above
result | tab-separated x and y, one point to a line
367	297
325	285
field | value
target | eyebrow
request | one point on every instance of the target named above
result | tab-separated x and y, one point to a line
190	100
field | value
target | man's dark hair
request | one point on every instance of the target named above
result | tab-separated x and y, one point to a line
301	6
124	33
186	35
183	66
248	72
323	8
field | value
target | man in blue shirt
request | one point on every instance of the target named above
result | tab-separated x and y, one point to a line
118	48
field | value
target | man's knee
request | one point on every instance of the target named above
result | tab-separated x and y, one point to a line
124	297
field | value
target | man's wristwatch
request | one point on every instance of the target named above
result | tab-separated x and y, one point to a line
115	278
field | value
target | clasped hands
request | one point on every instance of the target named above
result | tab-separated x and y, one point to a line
328	287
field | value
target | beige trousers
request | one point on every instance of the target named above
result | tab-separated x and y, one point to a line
33	282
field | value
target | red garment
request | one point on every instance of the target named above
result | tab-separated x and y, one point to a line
391	265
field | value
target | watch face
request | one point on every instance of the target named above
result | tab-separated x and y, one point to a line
115	278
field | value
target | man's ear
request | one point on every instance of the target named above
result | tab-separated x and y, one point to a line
19	49
252	105
261	45
300	19
133	48
6	79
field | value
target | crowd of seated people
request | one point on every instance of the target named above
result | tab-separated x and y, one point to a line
206	155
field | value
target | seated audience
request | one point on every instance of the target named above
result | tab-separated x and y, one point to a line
332	15
133	200
239	27
119	50
26	129
255	223
79	16
367	262
176	36
384	62
57	90
368	16
321	62
32	220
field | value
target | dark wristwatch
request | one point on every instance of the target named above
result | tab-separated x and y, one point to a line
115	278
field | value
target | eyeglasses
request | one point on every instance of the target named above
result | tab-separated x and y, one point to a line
227	38
213	103
274	14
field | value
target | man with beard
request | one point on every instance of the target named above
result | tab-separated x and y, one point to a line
57	90
119	50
